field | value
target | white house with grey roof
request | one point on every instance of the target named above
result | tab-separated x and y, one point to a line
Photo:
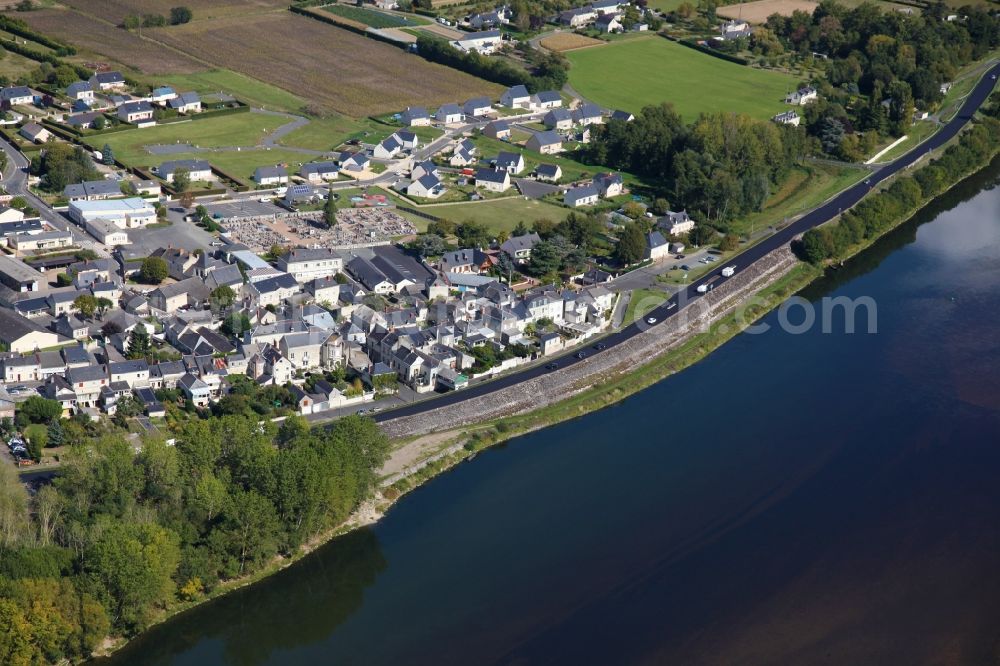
516	97
477	106
512	163
80	90
493	180
269	176
584	195
308	264
137	113
197	169
92	190
498	129
427	186
546	143
415	116
546	99
484	42
188	102
318	172
16	95
104	81
558	119
448	114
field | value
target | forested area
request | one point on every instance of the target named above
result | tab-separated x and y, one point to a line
877	214
881	65
125	530
719	167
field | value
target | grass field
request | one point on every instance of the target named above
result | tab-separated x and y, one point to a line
759	10
105	40
350	74
650	70
499	214
568	41
369	17
115	10
251	91
804	189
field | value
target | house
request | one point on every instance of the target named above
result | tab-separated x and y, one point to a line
195	390
145	188
578	17
198	170
87	382
512	163
609	184
546	143
519	248
608	23
787	118
171	297
324	290
497	129
408	140
92	190
21	369
19	276
87	120
415	116
516	97
107	232
35	133
675	224
428	186
607	6
162	95
20	335
558	119
269	176
424	168
369	276
303	350
945	87
318	172
588	114
476	107
802	96
548	172
298	194
388	149
271	290
353	162
80	90
130	213
484	42
188	102
462	156
16	95
135	112
624	116
547	99
584	195
308	264
734	29
493	180
103	81
657	246
465	261
448	114
134	373
48	240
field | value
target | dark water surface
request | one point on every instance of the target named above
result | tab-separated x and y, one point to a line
793	499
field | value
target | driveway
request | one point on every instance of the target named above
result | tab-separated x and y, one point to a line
534	189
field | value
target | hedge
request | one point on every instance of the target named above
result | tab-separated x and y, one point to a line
20	28
713	52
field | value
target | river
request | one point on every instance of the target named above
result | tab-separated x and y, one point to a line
814	498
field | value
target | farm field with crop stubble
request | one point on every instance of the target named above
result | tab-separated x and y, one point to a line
115	10
115	45
329	66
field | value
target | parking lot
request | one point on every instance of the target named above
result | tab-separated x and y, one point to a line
243	208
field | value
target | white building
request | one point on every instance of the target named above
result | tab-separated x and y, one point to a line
131	213
484	42
308	264
802	96
107	232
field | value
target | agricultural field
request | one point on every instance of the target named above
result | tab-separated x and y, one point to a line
758	11
113	44
639	72
370	17
350	74
116	10
14	66
568	41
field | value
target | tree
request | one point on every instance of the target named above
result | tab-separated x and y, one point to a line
179	15
86	305
729	243
138	343
631	246
132	22
102	306
37	409
252	525
108	155
222	297
330	210
181	179
187	199
38	437
429	245
56	435
154	270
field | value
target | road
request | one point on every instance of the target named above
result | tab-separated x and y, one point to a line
685	297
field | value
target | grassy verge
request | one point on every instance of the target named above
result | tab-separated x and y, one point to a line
245	88
642	301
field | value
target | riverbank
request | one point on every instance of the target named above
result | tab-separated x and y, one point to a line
649	357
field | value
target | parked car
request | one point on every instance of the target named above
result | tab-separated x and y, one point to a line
581	354
551	366
600	346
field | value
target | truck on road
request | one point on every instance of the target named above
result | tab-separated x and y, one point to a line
729	271
707	286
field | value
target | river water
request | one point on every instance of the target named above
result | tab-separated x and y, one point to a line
816	498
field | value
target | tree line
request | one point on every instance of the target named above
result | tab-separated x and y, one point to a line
549	71
120	534
876	215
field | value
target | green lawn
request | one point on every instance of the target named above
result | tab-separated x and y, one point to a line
805	188
240	129
641	302
499	214
244	88
635	73
370	17
572	170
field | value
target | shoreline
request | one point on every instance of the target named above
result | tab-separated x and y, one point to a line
741	306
